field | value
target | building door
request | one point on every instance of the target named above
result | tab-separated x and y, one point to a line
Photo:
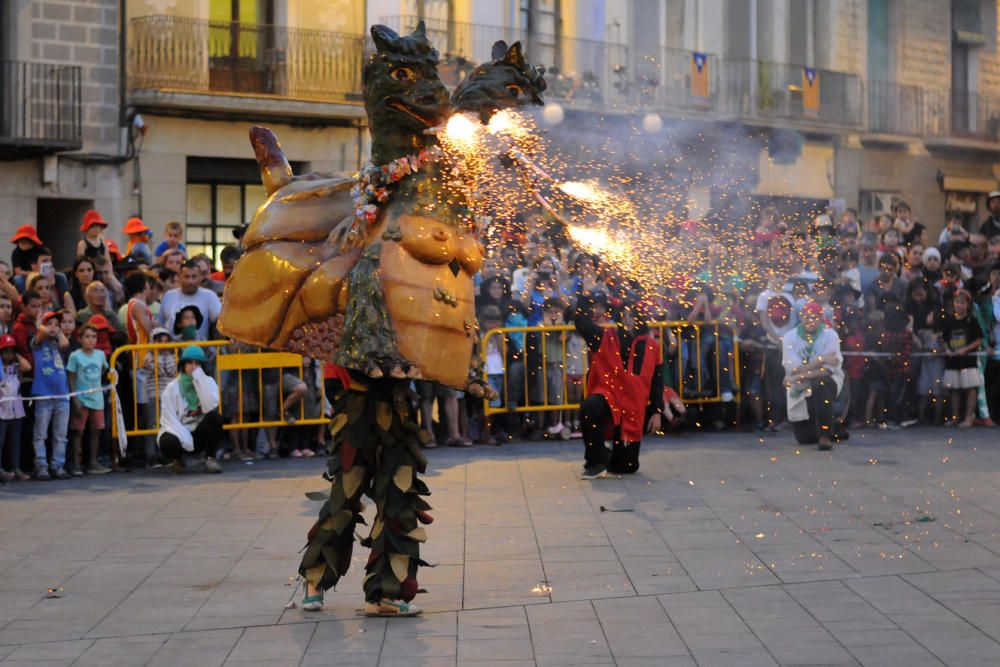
58	227
241	38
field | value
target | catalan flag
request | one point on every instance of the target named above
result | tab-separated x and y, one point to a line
810	91
699	74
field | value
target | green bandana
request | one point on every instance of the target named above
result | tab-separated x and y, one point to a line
809	338
189	393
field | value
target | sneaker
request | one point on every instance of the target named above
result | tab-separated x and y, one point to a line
555	429
212	466
42	475
98	469
296	454
308	453
565	433
312	602
387	607
60	473
75	471
908	423
594	471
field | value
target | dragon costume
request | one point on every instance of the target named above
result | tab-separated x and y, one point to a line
375	274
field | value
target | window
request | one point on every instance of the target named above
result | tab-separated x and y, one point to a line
214	210
541	21
222	195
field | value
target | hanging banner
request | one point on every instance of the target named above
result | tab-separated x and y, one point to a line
810	91
699	74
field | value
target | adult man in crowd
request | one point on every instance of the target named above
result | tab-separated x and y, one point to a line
868	259
191	293
205	266
991	225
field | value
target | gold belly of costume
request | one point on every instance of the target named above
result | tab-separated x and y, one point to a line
427	278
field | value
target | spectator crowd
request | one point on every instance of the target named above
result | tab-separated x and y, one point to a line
917	320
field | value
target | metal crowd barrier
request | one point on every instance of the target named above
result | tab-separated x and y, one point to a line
238	363
528	380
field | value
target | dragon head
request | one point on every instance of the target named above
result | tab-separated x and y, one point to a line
507	82
402	92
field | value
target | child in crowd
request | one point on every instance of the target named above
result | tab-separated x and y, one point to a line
11	410
752	339
50	388
553	342
962	337
27	323
139	238
897	340
490	319
930	382
174	239
187	323
6	314
92	243
67	323
86	369
240	400
29	248
161	364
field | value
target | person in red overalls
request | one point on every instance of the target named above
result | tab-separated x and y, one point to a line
625	376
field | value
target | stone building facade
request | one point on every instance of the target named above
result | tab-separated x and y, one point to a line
907	104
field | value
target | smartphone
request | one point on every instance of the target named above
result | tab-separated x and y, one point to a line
46	269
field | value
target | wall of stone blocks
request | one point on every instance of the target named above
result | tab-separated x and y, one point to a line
83	33
923	43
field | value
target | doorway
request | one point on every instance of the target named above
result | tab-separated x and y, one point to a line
59	225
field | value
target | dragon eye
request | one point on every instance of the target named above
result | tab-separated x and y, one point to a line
402	74
514	90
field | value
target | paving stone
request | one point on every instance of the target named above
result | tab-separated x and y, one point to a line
781	564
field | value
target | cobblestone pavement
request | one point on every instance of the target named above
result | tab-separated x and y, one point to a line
730	549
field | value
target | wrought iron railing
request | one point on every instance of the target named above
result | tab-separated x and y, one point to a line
769	90
975	116
167	52
896	109
581	72
40	105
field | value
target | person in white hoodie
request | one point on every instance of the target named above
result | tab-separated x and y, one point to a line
814	374
190	421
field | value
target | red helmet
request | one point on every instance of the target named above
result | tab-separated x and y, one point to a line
6	341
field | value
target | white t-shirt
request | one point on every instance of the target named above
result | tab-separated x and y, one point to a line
205	299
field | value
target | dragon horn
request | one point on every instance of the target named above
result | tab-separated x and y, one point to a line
275	171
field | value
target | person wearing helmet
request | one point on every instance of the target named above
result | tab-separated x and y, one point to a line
189	416
625	374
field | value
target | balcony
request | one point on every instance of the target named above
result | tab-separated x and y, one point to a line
40	109
245	70
580	73
894	110
764	92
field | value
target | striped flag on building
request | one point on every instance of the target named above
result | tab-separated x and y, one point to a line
810	91
699	74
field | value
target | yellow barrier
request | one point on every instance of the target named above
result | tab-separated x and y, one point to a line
224	363
534	349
